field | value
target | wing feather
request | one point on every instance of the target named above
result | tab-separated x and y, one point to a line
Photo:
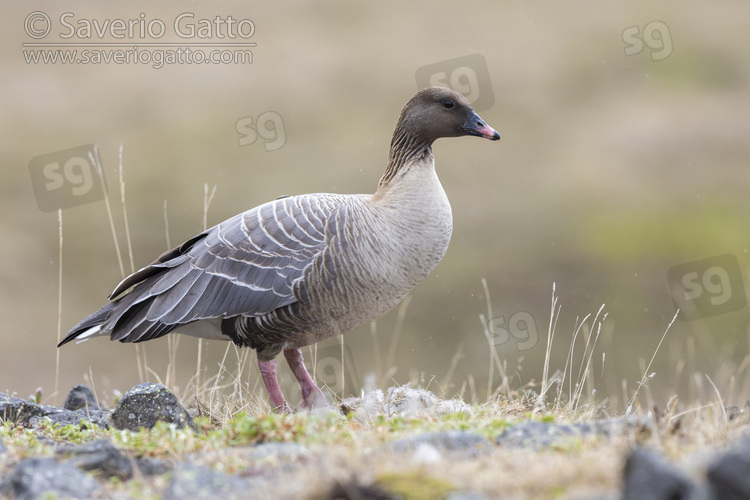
247	265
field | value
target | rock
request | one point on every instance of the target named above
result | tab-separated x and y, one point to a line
147	403
80	397
536	435
152	466
21	411
355	491
100	456
78	417
604	496
266	453
3	449
466	495
456	444
648	477
197	483
45	477
260	460
729	476
639	426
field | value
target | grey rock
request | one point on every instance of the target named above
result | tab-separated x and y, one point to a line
45	477
729	475
648	477
100	456
3	449
152	466
277	452
262	460
355	491
198	483
536	435
617	426
533	434
21	411
466	495
80	397
146	404
78	417
463	444
600	496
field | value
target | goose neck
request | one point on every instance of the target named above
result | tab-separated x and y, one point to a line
406	151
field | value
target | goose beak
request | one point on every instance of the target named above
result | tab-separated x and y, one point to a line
476	126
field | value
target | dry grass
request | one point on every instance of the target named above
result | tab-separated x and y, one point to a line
352	451
233	411
225	391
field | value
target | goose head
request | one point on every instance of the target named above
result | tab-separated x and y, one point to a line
437	112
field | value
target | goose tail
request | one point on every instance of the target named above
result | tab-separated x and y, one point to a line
89	327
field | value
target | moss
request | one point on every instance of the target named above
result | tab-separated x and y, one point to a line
415	485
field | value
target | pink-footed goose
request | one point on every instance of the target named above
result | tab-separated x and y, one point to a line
299	269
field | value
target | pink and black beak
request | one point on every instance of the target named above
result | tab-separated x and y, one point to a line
476	126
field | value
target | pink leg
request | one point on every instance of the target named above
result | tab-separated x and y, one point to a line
311	395
268	373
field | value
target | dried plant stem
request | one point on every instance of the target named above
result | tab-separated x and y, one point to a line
584	370
376	347
343	371
454	364
166	226
489	327
140	350
494	357
125	216
207	198
718	395
645	373
391	358
554	315
59	300
114	234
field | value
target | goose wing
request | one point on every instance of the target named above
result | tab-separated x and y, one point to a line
247	265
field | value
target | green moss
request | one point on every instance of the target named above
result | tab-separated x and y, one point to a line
415	485
548	418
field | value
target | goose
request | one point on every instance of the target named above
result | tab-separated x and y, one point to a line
299	269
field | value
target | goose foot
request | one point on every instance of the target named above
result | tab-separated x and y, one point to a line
268	374
312	396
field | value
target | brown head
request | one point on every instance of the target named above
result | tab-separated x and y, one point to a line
437	112
432	113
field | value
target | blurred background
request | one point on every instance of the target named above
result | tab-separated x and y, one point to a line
621	178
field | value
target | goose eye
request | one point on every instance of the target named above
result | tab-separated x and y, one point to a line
448	104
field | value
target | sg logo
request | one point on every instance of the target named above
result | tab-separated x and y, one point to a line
655	36
334	372
269	126
67	178
520	327
707	287
468	75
